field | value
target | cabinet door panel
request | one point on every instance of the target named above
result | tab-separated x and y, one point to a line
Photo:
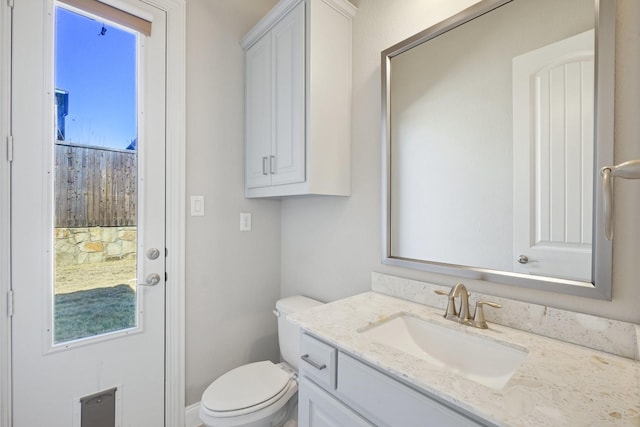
258	100
289	100
318	409
390	403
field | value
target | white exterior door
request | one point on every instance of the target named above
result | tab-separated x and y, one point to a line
553	131
73	360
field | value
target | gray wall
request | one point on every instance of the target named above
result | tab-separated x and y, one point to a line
330	246
327	247
233	277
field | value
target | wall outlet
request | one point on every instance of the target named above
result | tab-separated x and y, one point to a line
197	205
245	221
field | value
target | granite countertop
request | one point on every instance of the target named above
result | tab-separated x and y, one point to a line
557	384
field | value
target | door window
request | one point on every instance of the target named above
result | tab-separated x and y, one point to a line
95	236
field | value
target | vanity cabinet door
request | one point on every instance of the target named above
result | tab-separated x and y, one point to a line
317	408
388	402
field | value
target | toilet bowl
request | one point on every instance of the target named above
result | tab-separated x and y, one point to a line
254	395
260	394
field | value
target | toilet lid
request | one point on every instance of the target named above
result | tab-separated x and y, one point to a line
245	386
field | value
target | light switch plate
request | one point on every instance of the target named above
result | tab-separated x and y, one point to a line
197	205
245	221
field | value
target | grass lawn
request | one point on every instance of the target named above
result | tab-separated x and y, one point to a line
92	312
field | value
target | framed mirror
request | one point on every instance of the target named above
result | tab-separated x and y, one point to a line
495	123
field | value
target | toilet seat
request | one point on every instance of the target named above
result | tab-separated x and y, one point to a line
233	400
247	389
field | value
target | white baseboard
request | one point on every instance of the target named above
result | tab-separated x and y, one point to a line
191	418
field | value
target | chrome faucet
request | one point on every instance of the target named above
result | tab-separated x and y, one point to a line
463	315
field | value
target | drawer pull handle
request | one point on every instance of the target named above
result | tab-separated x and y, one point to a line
316	365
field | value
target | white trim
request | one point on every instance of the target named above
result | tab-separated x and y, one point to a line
281	9
191	417
267	22
47	205
5	222
344	7
175	210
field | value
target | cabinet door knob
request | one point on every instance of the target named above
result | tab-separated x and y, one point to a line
264	166
272	165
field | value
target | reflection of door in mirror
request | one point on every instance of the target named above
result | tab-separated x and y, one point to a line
553	158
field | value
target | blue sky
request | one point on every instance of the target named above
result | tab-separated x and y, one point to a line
98	71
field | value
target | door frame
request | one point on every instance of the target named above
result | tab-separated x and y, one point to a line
174	207
5	221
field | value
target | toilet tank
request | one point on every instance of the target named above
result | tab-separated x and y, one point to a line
289	333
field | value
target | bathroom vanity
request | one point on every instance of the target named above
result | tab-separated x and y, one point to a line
364	395
359	370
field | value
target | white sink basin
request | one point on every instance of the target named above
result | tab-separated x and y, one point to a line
474	357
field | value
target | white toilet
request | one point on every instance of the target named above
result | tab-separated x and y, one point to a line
260	394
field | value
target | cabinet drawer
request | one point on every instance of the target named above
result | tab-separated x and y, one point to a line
318	361
388	402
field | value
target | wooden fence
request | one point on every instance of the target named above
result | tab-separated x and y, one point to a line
95	186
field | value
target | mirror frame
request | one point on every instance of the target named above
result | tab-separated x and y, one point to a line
601	265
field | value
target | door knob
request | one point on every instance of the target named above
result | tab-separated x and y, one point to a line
153	253
152	279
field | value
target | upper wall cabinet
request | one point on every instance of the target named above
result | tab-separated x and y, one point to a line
298	100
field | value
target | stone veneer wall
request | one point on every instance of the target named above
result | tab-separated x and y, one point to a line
86	245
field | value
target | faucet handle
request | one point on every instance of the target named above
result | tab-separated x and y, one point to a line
445	293
478	318
451	311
